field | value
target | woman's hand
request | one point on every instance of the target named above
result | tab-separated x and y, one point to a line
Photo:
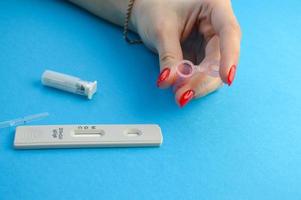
195	30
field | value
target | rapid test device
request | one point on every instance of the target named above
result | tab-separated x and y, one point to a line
80	136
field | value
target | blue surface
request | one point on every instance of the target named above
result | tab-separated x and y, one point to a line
242	142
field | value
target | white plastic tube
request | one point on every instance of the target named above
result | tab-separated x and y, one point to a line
69	83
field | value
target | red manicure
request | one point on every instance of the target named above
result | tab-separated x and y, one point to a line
231	74
186	97
163	76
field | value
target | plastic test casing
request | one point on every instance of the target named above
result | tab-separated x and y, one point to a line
79	136
69	83
186	69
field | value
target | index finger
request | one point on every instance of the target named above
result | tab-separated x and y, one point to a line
226	26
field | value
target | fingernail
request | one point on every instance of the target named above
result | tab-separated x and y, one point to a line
231	74
186	97
163	76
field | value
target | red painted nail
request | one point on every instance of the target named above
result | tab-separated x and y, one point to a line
231	74
163	76
186	97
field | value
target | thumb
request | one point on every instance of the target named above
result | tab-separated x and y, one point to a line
170	53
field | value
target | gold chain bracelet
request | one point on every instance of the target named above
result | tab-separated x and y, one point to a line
126	24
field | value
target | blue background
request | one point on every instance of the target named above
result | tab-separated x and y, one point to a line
242	142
